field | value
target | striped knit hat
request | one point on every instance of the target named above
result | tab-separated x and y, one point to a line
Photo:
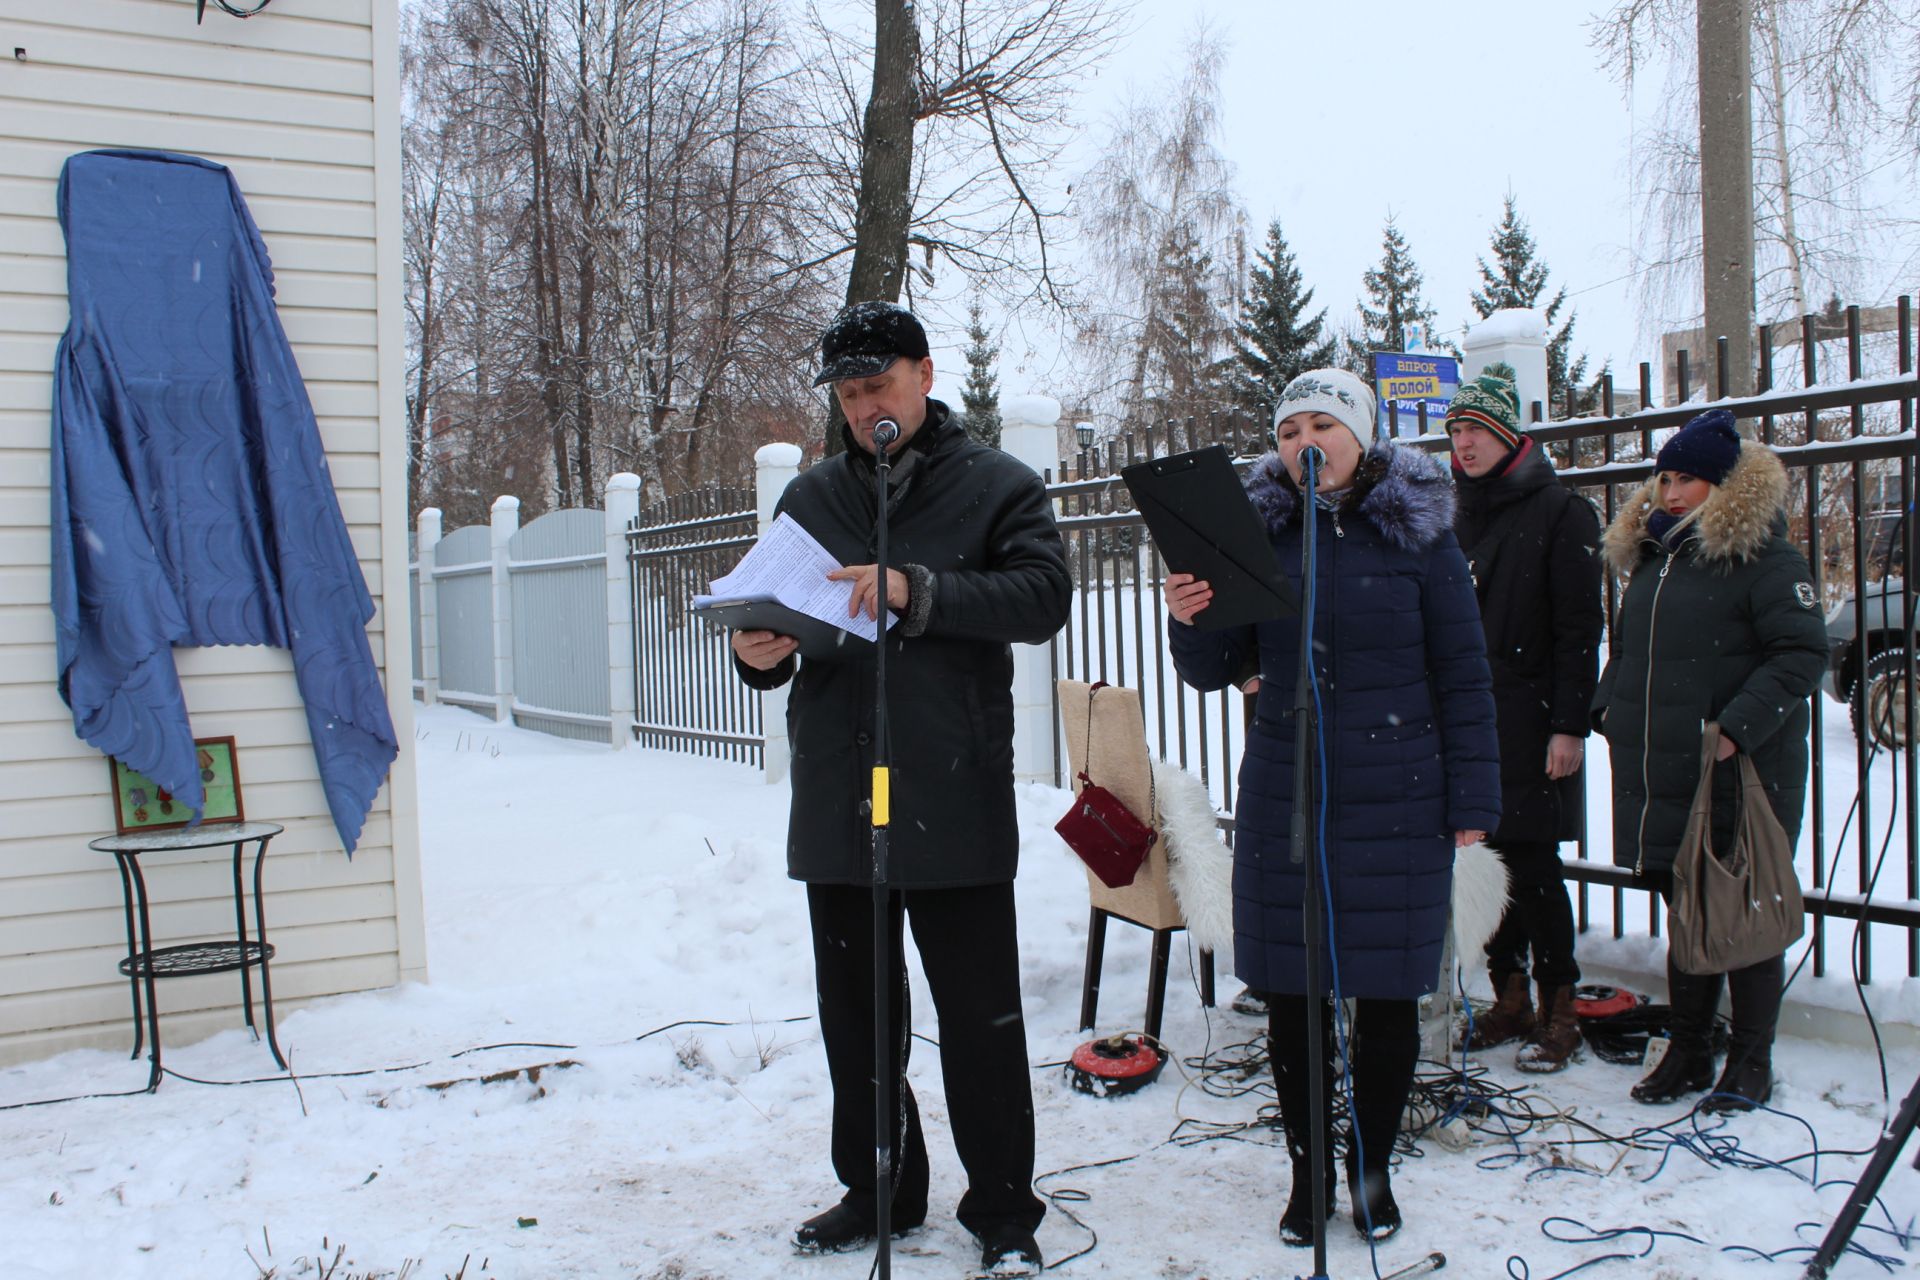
1491	402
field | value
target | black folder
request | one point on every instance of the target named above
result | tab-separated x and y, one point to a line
820	641
1203	524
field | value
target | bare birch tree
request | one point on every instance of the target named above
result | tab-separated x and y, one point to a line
609	240
1167	236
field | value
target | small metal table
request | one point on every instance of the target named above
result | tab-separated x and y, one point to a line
146	962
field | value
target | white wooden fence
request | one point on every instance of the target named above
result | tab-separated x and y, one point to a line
530	625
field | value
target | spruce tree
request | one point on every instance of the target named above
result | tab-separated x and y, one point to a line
1275	340
1518	278
1393	304
980	397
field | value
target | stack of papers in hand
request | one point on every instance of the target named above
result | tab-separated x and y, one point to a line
781	585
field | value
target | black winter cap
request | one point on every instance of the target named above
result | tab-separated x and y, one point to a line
1707	447
866	338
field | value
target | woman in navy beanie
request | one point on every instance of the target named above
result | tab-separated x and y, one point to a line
1719	622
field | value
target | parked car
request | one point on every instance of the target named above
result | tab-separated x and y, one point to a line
1880	714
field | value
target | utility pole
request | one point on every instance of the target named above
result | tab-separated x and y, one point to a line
1725	29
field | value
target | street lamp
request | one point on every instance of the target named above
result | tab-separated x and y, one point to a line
1083	432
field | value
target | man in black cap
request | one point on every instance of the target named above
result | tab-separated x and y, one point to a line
975	566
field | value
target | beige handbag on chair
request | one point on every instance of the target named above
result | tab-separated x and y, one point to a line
1109	734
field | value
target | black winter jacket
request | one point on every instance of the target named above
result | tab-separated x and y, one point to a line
1533	548
1724	627
977	522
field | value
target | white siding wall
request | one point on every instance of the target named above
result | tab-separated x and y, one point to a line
302	103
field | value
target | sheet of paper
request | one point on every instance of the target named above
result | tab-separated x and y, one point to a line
789	565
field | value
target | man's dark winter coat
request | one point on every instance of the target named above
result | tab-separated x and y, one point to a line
1726	627
1407	719
978	521
1533	548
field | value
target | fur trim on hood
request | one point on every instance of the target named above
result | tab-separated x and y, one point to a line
1403	493
1734	523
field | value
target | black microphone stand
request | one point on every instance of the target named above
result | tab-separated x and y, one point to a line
1306	851
886	1063
1307	785
1885	1153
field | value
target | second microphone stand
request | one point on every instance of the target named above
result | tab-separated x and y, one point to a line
1306	853
1308	786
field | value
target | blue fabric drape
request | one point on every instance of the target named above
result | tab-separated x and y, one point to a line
191	498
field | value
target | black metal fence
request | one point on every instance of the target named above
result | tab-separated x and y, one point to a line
685	694
1840	416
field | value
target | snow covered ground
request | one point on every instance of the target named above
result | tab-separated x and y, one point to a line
604	911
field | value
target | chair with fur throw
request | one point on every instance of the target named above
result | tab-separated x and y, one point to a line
1187	879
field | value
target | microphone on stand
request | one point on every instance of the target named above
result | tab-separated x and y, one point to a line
886	1062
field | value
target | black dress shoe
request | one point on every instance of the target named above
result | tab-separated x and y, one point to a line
848	1225
1010	1251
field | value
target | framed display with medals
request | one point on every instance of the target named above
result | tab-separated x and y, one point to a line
139	804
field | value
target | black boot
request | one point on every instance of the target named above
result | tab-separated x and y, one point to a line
1385	1048
1376	1214
1747	1081
1287	1037
1688	1066
1296	1224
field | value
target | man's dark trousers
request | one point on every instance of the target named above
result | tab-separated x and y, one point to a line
968	948
1539	918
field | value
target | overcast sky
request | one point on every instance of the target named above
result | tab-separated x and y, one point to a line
1335	114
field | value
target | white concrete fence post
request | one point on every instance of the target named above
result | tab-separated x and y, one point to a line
1517	335
774	467
1027	432
505	523
426	553
622	509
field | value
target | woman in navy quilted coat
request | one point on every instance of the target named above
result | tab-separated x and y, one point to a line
1412	762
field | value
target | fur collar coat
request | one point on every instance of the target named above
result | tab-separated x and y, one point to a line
1740	517
1403	493
1406	728
1720	622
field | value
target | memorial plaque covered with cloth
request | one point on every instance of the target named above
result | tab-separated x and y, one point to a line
192	503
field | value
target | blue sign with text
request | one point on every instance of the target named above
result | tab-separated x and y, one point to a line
1403	382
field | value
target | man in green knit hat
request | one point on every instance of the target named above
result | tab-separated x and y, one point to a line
1532	546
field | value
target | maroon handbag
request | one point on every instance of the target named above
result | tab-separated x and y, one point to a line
1100	828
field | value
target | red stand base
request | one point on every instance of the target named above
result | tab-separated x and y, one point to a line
1115	1065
